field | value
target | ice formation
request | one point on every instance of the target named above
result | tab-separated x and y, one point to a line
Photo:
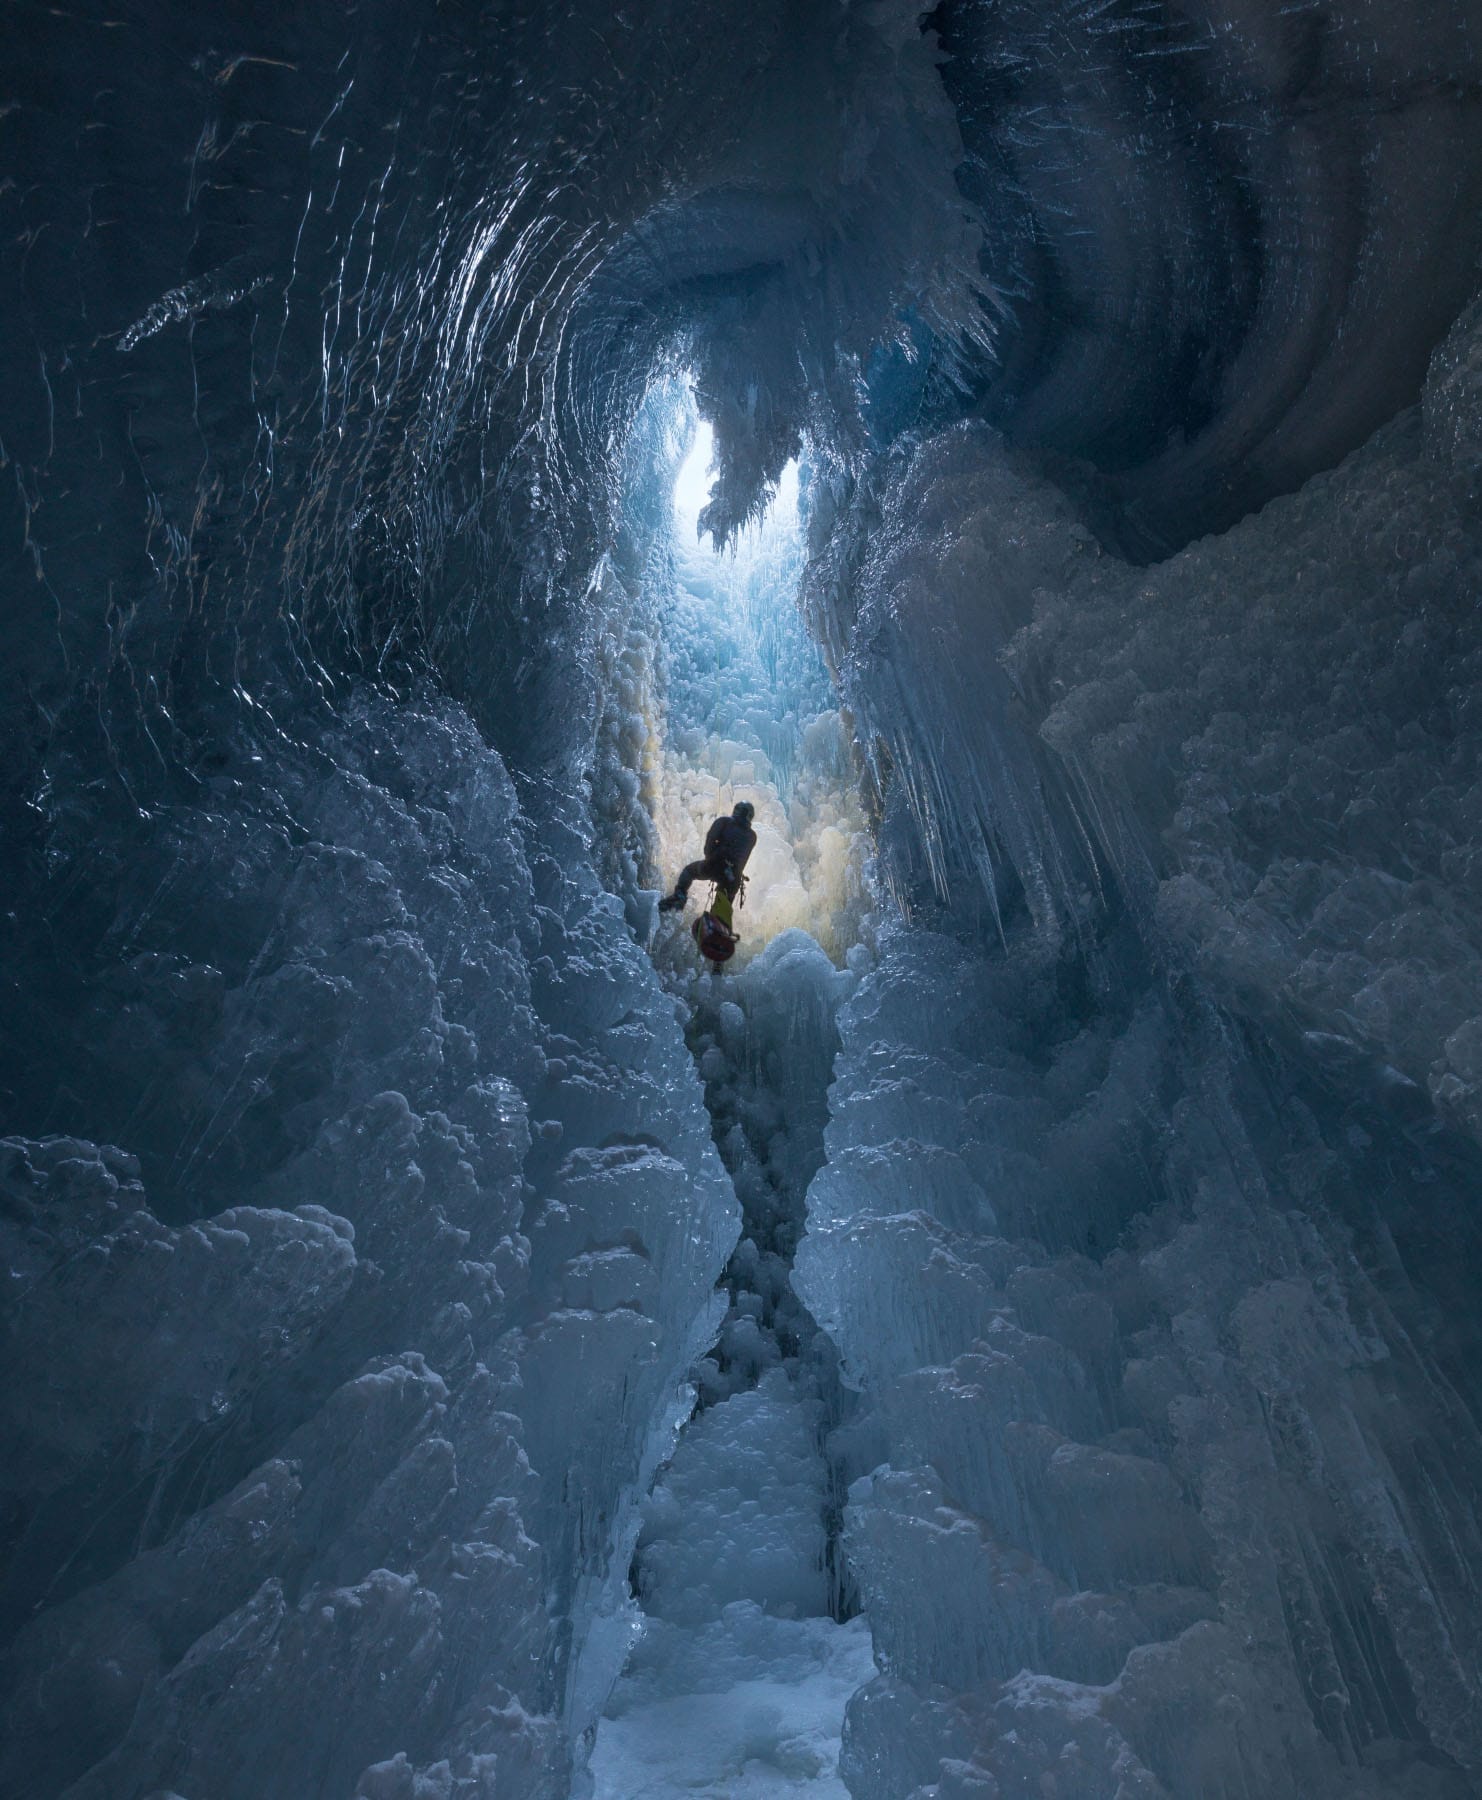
308	1424
747	1645
1016	1331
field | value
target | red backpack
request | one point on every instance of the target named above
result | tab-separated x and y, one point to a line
715	939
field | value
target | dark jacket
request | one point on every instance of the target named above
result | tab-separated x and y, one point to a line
729	841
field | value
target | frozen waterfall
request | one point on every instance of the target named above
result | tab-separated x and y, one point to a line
1015	1332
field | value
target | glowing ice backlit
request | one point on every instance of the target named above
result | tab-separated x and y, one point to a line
692	484
697	473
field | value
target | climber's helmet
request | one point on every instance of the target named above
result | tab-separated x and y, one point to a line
743	811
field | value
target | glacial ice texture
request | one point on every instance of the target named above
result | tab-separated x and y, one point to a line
361	1209
328	1453
1148	1226
746	1643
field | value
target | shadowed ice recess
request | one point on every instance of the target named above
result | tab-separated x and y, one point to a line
1014	1334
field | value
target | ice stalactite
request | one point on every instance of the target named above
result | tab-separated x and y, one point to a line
1149	1214
361	1209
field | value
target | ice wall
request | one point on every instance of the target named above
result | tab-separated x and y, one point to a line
324	1435
750	714
1148	1229
748	1645
1225	236
328	338
1264	746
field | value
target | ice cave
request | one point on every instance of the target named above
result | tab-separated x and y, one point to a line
1014	1330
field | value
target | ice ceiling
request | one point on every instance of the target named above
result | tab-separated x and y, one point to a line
1050	1290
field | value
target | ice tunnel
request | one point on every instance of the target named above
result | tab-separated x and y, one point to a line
1015	1330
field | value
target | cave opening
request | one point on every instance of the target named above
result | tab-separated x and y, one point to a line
747	1637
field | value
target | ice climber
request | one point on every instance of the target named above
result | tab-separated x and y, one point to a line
728	843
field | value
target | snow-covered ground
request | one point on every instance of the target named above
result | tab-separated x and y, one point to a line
746	1707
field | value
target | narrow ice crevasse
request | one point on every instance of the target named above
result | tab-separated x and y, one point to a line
751	1644
748	1655
363	1220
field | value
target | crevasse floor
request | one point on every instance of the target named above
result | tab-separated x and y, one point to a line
775	1730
